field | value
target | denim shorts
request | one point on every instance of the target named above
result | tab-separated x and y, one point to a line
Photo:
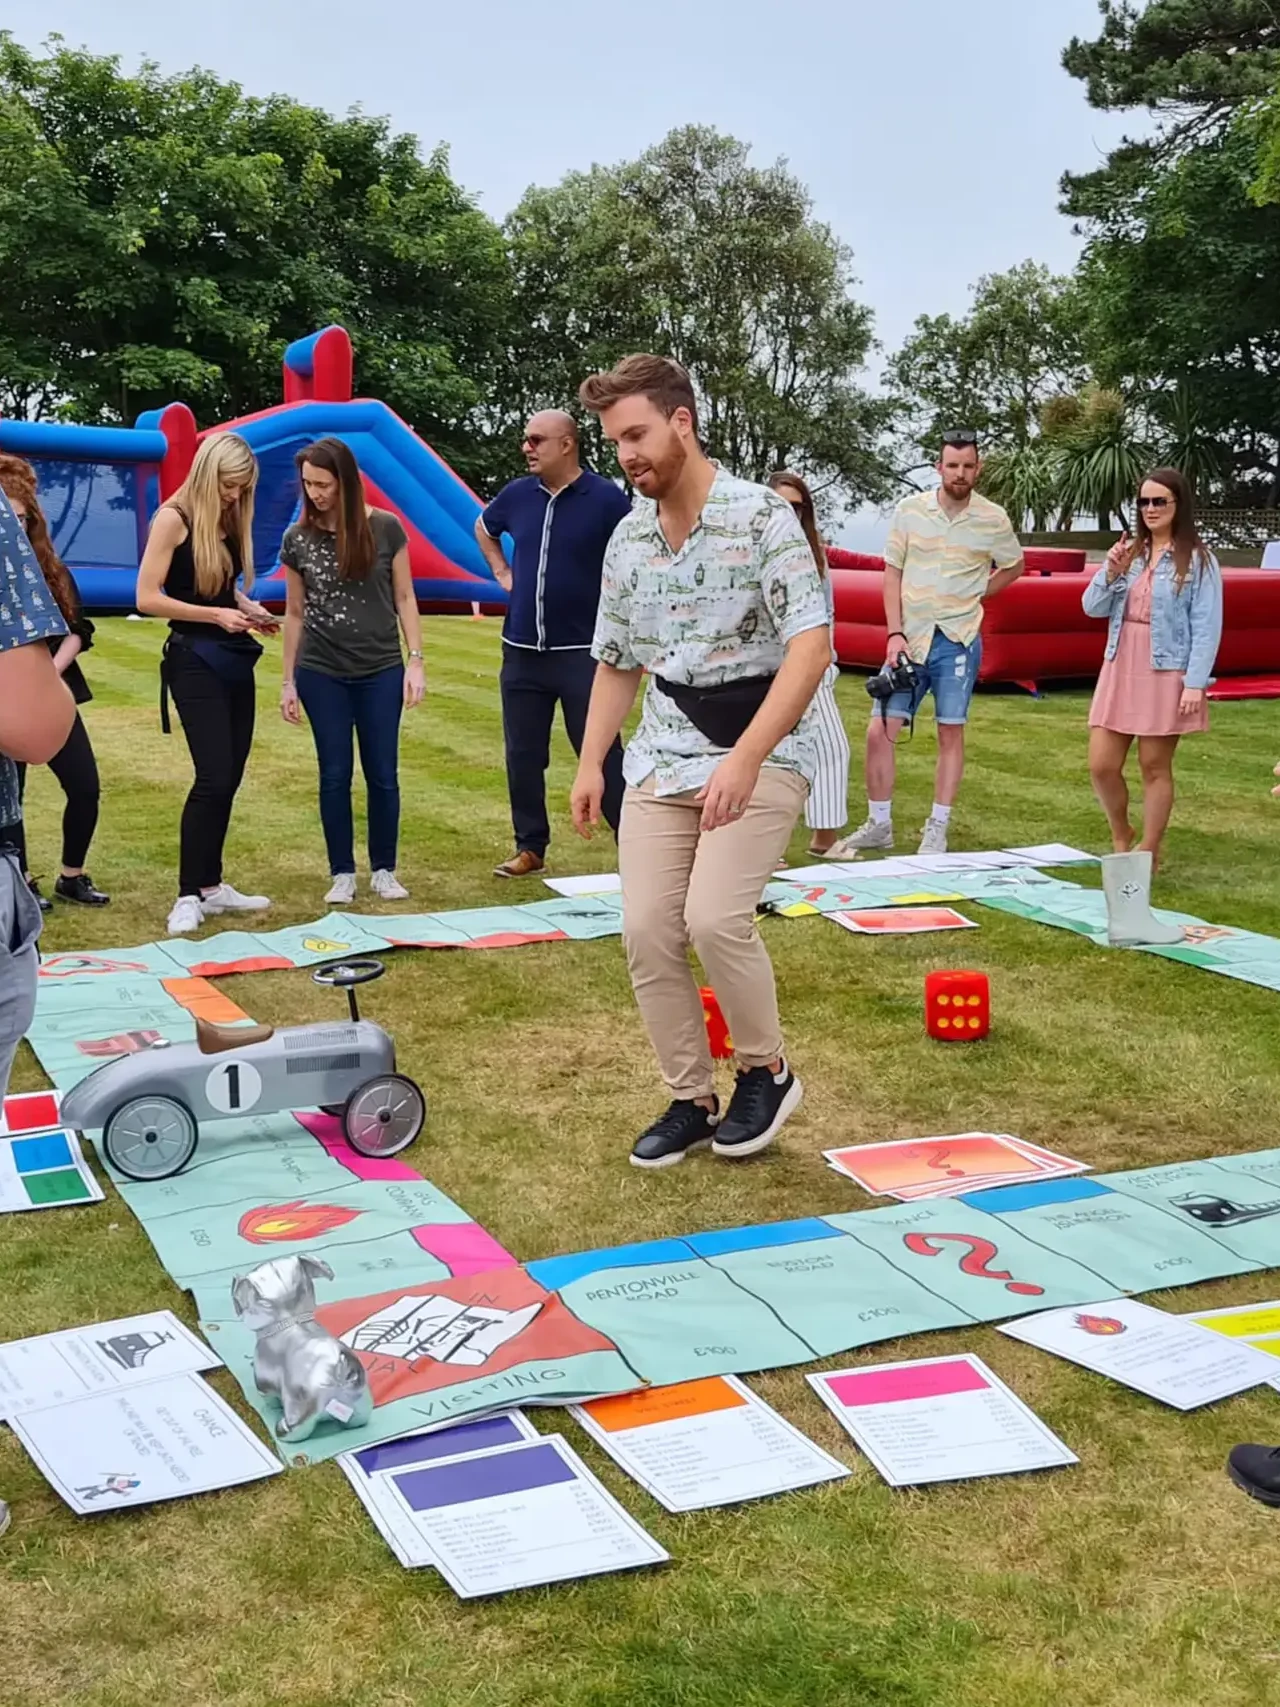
950	674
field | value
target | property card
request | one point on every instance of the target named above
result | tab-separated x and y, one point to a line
705	1443
1054	853
947	1166
33	1111
941	1419
595	883
49	1369
45	1170
1169	1358
1256	1325
162	1440
902	921
518	1517
370	1469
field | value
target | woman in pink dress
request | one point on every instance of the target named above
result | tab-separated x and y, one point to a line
1162	595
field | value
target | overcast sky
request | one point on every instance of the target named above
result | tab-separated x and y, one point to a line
931	134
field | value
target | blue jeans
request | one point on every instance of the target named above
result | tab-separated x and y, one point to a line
950	673
370	706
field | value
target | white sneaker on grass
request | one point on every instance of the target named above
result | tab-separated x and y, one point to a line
4	1517
871	835
933	838
225	899
342	890
388	887
187	916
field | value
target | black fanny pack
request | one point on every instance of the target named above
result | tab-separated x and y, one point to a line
724	713
232	659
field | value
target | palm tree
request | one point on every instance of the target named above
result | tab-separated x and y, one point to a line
1098	457
1021	480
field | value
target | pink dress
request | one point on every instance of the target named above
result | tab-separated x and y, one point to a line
1132	697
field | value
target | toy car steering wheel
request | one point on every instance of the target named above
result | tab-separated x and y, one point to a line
346	974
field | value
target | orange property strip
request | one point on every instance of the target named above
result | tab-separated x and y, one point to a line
203	999
664	1404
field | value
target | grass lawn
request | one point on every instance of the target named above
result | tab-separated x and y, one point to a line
1138	1579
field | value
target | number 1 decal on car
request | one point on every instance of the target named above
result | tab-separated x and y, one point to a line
233	1086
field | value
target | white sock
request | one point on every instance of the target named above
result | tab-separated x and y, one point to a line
881	811
940	814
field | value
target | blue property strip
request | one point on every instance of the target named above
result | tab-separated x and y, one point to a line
762	1238
1002	1198
555	1273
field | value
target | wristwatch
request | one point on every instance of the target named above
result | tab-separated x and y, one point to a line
417	655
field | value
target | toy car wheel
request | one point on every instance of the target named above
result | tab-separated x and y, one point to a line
384	1115
150	1137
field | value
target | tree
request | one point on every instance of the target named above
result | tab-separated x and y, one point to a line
165	237
693	252
1180	266
994	369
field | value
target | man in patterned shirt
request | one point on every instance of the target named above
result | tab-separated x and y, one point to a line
36	713
710	586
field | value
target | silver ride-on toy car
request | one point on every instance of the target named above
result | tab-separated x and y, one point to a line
149	1105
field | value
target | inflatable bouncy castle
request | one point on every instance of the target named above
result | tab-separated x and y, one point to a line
100	486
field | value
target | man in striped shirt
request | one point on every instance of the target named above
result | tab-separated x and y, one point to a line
948	551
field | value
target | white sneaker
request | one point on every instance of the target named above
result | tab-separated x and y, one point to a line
4	1517
871	835
187	916
388	887
225	899
933	838
342	891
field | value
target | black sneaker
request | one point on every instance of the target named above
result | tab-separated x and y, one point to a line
761	1102
80	889
686	1126
42	901
1256	1469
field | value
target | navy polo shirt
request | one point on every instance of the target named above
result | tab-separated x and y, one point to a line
559	551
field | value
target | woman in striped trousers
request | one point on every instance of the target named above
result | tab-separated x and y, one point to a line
828	808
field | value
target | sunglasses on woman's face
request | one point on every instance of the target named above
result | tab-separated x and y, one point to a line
1153	503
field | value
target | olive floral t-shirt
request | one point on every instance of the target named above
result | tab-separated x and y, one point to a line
349	628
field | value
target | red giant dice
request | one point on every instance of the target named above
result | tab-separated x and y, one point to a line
957	1006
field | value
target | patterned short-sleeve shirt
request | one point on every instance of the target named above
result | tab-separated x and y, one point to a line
721	609
946	564
28	612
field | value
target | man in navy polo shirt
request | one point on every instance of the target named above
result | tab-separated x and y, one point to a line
560	518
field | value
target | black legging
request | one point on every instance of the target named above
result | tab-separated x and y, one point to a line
77	770
217	720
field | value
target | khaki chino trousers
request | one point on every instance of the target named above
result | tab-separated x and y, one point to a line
682	889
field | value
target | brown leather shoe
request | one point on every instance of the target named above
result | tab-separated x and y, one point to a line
525	863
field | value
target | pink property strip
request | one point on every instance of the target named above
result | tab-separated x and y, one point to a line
911	1381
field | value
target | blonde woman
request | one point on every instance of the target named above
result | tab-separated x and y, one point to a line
199	550
827	809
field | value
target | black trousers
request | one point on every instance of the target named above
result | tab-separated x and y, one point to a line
77	771
217	720
533	684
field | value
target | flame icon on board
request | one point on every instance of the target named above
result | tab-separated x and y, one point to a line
1100	1325
283	1223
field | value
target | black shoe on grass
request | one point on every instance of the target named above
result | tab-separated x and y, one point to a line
686	1126
80	890
1256	1469
762	1101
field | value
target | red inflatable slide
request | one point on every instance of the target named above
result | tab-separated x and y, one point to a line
1036	630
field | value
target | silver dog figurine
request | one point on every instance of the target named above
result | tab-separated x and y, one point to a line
310	1371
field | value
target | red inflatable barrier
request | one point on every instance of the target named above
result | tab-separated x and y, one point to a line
1036	630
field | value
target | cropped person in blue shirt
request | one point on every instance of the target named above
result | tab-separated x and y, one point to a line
36	714
560	518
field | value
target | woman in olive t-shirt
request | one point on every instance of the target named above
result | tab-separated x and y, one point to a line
350	591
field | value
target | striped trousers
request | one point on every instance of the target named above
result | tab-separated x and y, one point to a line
828	804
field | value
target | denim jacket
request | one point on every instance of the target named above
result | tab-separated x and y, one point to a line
1185	627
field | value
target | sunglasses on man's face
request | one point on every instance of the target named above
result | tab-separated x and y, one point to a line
535	439
1153	503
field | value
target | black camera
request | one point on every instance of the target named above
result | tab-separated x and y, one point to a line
900	676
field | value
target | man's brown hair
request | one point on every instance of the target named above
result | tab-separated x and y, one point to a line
664	382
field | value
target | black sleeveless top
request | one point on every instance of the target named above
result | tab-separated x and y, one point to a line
180	582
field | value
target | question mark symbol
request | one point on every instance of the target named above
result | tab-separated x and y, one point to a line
937	1159
976	1260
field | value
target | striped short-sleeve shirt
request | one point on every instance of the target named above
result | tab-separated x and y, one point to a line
946	565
